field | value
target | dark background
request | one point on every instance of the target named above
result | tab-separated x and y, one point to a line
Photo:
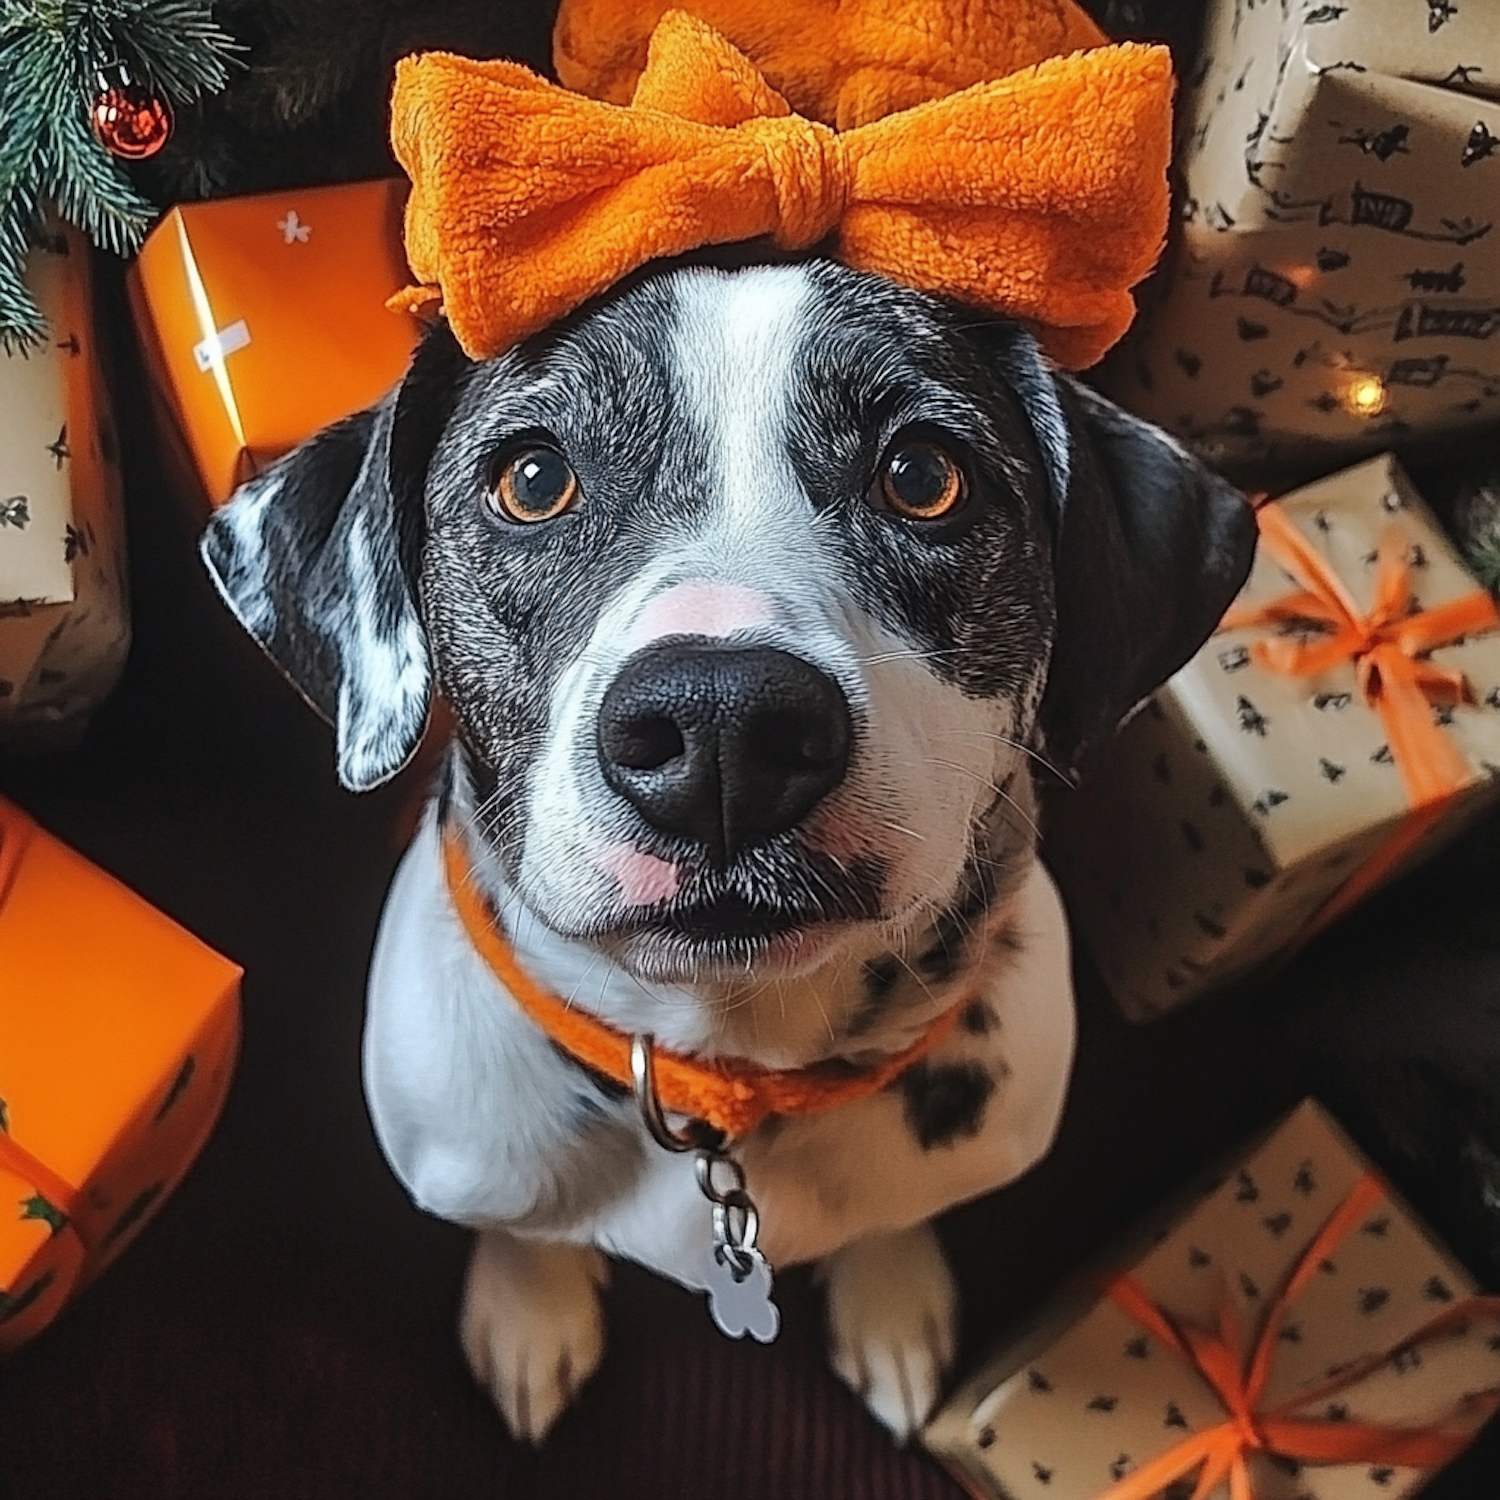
286	1326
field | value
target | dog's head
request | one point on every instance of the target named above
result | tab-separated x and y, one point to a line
751	591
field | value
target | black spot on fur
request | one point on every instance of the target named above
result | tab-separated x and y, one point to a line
939	962
881	984
976	1018
945	1102
881	976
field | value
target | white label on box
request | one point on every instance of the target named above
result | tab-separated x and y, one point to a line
219	346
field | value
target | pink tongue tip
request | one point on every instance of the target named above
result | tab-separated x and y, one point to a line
644	879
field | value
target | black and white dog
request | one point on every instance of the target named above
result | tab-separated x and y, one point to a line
757	593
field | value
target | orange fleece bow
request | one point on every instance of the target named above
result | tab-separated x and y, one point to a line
1387	648
1222	1452
1042	195
730	1094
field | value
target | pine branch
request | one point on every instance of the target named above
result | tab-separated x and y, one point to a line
52	53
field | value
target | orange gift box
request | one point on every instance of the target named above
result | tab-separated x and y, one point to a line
264	319
118	1034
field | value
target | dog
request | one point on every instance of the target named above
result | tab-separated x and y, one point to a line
761	590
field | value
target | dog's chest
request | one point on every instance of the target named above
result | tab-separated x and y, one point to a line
486	1123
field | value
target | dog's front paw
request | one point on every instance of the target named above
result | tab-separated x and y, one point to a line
892	1311
532	1326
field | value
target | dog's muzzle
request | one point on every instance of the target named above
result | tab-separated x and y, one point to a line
725	745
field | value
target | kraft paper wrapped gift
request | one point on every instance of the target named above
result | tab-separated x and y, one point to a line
1296	1323
264	319
118	1033
1334	277
64	620
1263	791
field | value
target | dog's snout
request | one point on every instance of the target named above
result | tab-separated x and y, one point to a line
725	745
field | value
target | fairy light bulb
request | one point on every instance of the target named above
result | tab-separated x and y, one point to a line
1366	396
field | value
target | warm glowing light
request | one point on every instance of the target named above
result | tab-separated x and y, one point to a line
1300	277
1365	396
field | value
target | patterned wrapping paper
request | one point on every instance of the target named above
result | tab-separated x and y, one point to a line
1087	1395
64	614
1239	801
264	319
118	1033
1334	279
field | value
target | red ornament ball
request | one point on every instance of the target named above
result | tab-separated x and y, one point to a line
130	121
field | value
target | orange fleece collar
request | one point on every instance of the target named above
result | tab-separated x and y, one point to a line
729	1094
1041	196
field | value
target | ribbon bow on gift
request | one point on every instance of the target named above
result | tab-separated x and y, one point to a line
1041	195
1222	1452
1387	647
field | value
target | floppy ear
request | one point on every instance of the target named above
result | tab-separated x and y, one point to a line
1149	550
317	559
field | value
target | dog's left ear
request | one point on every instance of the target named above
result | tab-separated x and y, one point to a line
1149	550
317	558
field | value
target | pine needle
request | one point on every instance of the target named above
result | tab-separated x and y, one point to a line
52	53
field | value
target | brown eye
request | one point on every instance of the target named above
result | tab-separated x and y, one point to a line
535	485
922	483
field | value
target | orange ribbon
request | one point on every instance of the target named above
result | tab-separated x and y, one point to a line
1386	647
730	1094
1042	195
1223	1452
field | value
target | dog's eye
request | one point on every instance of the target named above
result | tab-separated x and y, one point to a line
535	484
921	482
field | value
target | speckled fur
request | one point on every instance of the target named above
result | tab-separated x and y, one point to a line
724	425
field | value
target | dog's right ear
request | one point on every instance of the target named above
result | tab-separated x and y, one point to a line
317	558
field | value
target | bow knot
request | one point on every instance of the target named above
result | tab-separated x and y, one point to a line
1248	1433
810	174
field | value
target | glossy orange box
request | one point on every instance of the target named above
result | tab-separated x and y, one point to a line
263	319
118	1035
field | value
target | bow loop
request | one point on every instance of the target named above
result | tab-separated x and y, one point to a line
696	74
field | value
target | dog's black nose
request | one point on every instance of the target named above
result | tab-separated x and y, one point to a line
728	745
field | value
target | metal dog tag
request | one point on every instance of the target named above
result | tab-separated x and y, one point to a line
738	1276
739	1294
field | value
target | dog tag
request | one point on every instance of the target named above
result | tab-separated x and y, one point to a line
739	1294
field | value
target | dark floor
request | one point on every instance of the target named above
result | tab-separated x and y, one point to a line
285	1327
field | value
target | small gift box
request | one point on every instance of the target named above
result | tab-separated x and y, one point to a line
118	1033
64	622
1333	275
264	319
1343	723
1296	1333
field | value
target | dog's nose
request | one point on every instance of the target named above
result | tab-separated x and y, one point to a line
728	745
